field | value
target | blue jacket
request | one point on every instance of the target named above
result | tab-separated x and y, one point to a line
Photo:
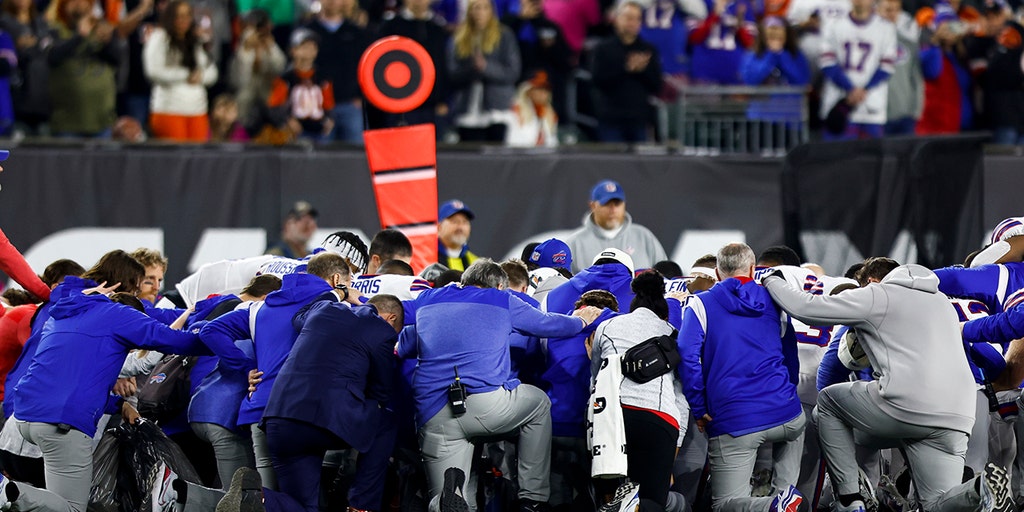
567	380
1000	287
738	366
527	361
70	285
80	355
273	338
217	392
612	277
469	327
338	373
831	370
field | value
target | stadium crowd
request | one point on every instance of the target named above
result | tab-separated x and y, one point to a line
512	71
592	373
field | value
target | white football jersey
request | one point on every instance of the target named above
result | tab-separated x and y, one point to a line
221	278
403	287
859	49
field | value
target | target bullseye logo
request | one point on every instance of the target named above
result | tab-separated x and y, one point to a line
396	74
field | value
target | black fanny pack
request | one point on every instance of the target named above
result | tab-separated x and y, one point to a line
651	358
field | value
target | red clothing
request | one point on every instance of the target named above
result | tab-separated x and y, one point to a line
15	327
14	265
942	103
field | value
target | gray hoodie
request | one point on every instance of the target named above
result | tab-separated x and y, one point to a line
912	338
637	241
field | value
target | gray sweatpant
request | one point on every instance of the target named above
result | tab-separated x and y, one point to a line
264	465
231	450
447	441
67	462
732	462
935	454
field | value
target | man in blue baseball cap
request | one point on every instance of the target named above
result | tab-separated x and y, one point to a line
608	225
453	229
552	253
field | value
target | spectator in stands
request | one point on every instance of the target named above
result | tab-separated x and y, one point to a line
8	70
1002	76
775	60
453	230
298	228
224	124
134	89
626	71
215	28
534	122
542	47
665	26
858	56
465	329
302	98
807	17
257	62
575	17
180	70
32	38
948	88
906	91
720	40
283	16
82	63
484	65
418	22
341	27
607	224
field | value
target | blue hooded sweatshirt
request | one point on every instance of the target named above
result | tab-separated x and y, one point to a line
566	378
80	355
218	393
67	287
999	287
273	338
739	359
469	327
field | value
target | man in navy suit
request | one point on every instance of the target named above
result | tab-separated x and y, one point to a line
329	393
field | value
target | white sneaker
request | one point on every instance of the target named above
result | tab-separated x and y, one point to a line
995	490
856	506
163	496
625	499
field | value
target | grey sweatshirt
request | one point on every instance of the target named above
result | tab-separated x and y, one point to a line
636	240
912	338
621	333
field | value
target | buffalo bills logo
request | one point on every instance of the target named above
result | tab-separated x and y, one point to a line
158	378
558	257
599	405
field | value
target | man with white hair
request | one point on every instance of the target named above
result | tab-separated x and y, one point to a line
736	343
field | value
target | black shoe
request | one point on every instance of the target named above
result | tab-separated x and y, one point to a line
995	490
245	493
452	499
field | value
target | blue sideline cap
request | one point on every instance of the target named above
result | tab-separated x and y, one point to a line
552	253
4	154
606	191
451	208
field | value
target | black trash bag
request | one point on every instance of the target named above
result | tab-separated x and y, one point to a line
140	450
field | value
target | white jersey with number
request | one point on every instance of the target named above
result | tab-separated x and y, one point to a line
403	287
827	11
221	278
859	49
